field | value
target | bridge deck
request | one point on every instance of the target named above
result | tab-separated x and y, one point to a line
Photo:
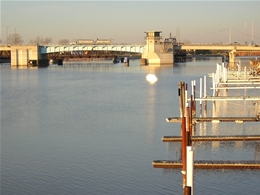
64	48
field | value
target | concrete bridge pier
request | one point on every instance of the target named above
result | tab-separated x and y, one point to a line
28	55
232	56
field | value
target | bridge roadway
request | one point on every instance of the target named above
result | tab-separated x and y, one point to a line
218	47
140	48
63	48
44	49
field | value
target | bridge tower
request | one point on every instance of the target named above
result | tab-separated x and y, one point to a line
153	39
154	53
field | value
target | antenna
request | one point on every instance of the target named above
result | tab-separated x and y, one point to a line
245	33
178	34
230	40
252	32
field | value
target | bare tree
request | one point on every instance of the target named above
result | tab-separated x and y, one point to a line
36	41
14	39
186	41
41	41
47	40
64	42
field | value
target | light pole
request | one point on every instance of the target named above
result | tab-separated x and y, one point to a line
230	36
7	35
178	34
15	36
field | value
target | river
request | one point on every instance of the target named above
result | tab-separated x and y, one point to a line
96	128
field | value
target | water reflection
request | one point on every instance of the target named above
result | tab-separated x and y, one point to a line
151	113
257	151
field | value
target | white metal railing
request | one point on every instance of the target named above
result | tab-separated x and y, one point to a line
126	48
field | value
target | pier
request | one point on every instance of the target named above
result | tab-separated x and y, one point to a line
223	80
207	164
213	138
215	119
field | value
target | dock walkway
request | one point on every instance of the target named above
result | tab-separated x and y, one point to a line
221	80
213	138
215	119
208	164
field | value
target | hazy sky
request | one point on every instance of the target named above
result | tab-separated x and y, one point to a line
126	21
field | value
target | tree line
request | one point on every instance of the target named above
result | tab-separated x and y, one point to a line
16	39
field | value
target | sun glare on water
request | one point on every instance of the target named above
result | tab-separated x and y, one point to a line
151	78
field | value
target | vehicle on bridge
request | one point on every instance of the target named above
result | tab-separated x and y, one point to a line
91	42
83	42
103	42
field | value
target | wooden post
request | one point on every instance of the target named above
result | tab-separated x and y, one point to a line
200	97
186	94
190	167
184	153
205	95
190	119
191	98
187	190
181	92
188	125
194	100
182	99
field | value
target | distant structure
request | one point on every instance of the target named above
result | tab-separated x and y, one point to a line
91	42
157	52
154	52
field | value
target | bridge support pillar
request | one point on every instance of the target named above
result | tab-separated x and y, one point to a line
232	56
22	55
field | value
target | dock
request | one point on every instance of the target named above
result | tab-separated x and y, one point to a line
232	98
208	164
221	80
215	119
213	138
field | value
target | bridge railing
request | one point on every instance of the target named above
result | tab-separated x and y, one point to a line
219	44
63	48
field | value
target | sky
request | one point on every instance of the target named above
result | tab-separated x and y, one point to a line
126	21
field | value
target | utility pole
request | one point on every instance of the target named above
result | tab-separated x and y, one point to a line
230	38
252	32
7	35
178	34
245	35
15	36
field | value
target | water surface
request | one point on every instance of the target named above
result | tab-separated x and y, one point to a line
95	129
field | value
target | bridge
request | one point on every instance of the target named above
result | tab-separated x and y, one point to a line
154	52
66	48
231	49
